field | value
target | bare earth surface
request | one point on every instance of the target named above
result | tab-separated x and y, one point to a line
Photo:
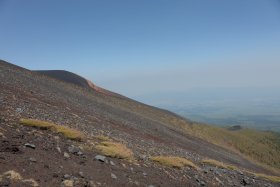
146	130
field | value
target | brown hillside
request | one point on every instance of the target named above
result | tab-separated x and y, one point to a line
42	112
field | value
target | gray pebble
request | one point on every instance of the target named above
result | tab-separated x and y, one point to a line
81	174
32	146
112	163
66	155
100	158
66	176
32	159
113	176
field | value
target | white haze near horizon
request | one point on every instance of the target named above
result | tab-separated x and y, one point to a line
247	92
260	74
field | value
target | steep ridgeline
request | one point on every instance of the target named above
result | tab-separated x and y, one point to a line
75	79
66	76
59	129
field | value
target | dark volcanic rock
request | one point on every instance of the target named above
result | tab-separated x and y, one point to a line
245	182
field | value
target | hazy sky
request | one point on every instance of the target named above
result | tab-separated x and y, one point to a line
149	46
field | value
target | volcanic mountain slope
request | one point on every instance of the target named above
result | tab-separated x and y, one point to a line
87	124
66	76
261	146
74	79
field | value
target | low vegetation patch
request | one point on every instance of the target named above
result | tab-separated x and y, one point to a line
173	161
68	132
219	164
258	146
68	183
268	177
65	131
115	150
44	125
15	176
102	138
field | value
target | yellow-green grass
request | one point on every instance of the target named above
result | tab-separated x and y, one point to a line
15	176
173	161
115	150
37	123
65	131
68	183
102	138
258	146
69	132
275	179
219	164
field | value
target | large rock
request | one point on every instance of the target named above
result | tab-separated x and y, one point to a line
100	158
32	146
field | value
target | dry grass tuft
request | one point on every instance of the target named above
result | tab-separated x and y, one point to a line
268	177
173	161
67	132
15	176
37	123
115	150
31	182
68	183
219	164
102	138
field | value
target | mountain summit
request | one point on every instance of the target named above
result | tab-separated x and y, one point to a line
75	79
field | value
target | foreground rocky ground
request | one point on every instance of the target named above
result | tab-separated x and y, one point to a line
51	160
36	157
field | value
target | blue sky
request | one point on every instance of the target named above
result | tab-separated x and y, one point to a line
150	46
